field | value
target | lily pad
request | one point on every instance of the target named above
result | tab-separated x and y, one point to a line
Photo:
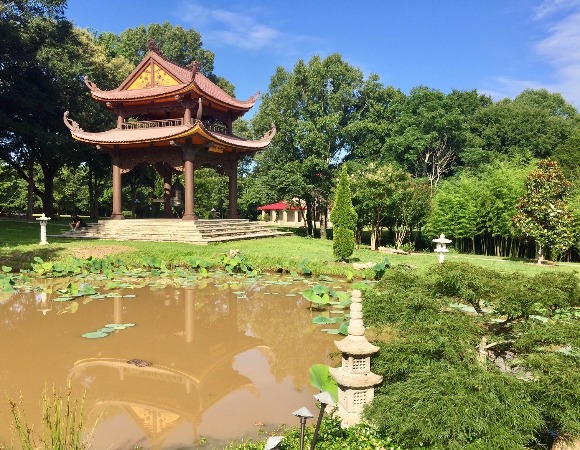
330	330
95	335
324	320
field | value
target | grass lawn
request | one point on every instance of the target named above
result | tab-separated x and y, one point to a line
19	245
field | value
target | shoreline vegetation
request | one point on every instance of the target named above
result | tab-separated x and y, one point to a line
474	340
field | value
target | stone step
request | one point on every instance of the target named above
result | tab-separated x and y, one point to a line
175	230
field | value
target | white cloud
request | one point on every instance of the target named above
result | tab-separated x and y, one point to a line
560	49
550	7
222	27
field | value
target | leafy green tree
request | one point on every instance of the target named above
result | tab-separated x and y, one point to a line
543	210
311	107
385	196
431	131
454	211
344	218
501	184
532	125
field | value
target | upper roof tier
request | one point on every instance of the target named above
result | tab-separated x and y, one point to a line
155	77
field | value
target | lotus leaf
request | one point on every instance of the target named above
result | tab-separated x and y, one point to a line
319	376
343	329
323	320
95	335
330	330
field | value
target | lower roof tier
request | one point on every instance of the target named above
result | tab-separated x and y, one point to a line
194	133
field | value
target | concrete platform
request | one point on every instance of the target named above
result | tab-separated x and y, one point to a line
199	232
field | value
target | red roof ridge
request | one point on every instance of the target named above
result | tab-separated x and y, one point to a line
189	77
278	206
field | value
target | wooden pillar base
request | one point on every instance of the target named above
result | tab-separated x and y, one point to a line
191	216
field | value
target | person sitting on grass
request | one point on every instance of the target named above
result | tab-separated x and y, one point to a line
77	222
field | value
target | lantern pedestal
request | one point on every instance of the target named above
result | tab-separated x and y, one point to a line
43	221
354	377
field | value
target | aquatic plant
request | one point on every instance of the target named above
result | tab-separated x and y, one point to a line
62	423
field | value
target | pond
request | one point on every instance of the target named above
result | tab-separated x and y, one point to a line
215	361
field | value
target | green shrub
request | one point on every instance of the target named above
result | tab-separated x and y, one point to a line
343	217
331	437
456	379
343	213
343	243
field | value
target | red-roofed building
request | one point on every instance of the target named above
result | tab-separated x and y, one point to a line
174	119
282	213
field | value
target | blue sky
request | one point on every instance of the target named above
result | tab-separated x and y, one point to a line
497	47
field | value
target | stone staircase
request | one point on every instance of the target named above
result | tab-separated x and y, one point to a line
174	230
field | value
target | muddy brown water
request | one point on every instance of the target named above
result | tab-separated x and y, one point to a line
224	365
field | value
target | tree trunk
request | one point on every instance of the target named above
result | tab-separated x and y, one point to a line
30	208
540	254
91	186
323	214
309	230
375	237
48	194
358	237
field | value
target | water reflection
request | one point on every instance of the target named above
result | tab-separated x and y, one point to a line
220	362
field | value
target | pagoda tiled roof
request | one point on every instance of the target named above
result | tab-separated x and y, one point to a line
189	80
121	136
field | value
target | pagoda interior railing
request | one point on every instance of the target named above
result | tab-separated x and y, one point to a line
138	124
134	124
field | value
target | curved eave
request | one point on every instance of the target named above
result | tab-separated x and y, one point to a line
165	135
238	143
141	95
169	92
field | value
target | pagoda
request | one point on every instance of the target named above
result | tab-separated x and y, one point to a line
175	119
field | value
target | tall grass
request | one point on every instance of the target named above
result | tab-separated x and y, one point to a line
62	423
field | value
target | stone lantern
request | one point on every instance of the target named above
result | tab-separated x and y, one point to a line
354	377
43	220
441	247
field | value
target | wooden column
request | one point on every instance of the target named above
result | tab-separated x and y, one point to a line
187	114
233	189
188	174
117	197
166	191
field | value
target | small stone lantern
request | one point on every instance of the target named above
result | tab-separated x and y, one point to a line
441	247
354	378
43	220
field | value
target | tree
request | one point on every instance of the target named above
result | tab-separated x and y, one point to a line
454	211
431	131
532	125
343	217
179	45
40	78
386	196
312	107
543	213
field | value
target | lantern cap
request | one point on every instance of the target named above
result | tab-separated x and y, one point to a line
273	442
303	412
442	240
